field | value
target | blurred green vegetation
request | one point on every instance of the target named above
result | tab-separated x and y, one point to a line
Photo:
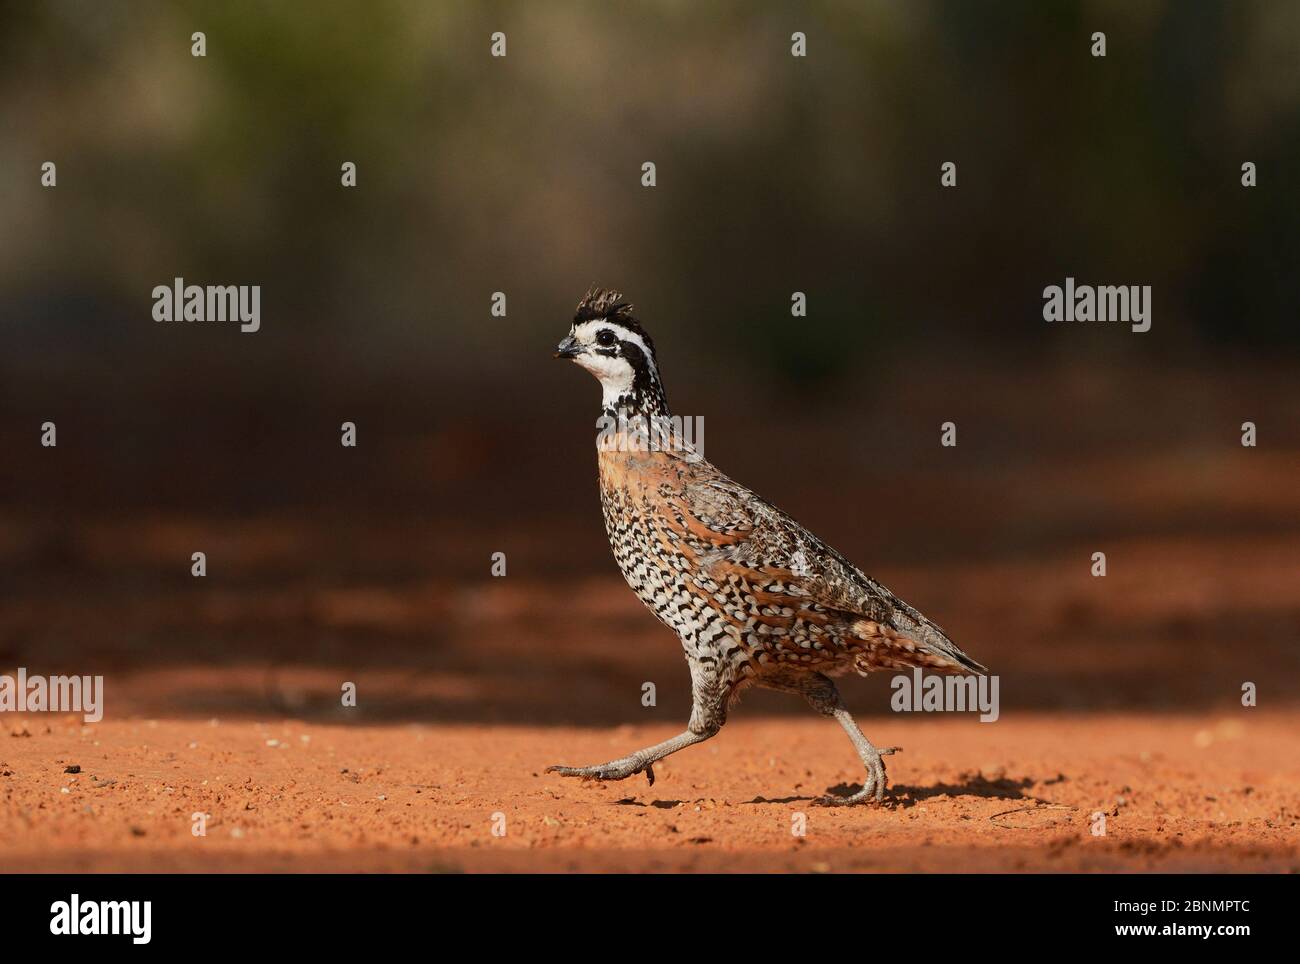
522	174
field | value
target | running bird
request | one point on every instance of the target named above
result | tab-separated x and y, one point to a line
755	598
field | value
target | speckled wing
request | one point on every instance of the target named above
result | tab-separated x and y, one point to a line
814	601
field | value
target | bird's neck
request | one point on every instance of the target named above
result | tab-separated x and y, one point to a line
644	398
638	420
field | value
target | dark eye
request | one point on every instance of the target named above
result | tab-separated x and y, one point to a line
605	337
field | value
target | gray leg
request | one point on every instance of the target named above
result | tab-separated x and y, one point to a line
821	694
708	714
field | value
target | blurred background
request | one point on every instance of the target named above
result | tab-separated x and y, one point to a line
522	174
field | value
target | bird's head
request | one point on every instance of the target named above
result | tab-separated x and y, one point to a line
607	341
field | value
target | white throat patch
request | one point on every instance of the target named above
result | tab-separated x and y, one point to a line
615	374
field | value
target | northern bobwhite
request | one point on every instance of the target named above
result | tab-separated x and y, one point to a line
755	597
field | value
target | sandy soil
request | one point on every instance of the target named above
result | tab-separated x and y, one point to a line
1118	695
1181	793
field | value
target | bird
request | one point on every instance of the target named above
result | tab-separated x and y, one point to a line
755	598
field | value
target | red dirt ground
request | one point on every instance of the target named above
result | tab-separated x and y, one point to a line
1181	793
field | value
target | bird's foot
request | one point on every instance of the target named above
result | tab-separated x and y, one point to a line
873	787
614	770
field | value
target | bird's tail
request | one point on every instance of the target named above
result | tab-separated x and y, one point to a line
936	641
917	639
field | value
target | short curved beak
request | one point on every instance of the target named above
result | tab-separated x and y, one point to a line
569	348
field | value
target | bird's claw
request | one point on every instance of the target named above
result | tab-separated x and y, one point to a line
873	787
605	771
